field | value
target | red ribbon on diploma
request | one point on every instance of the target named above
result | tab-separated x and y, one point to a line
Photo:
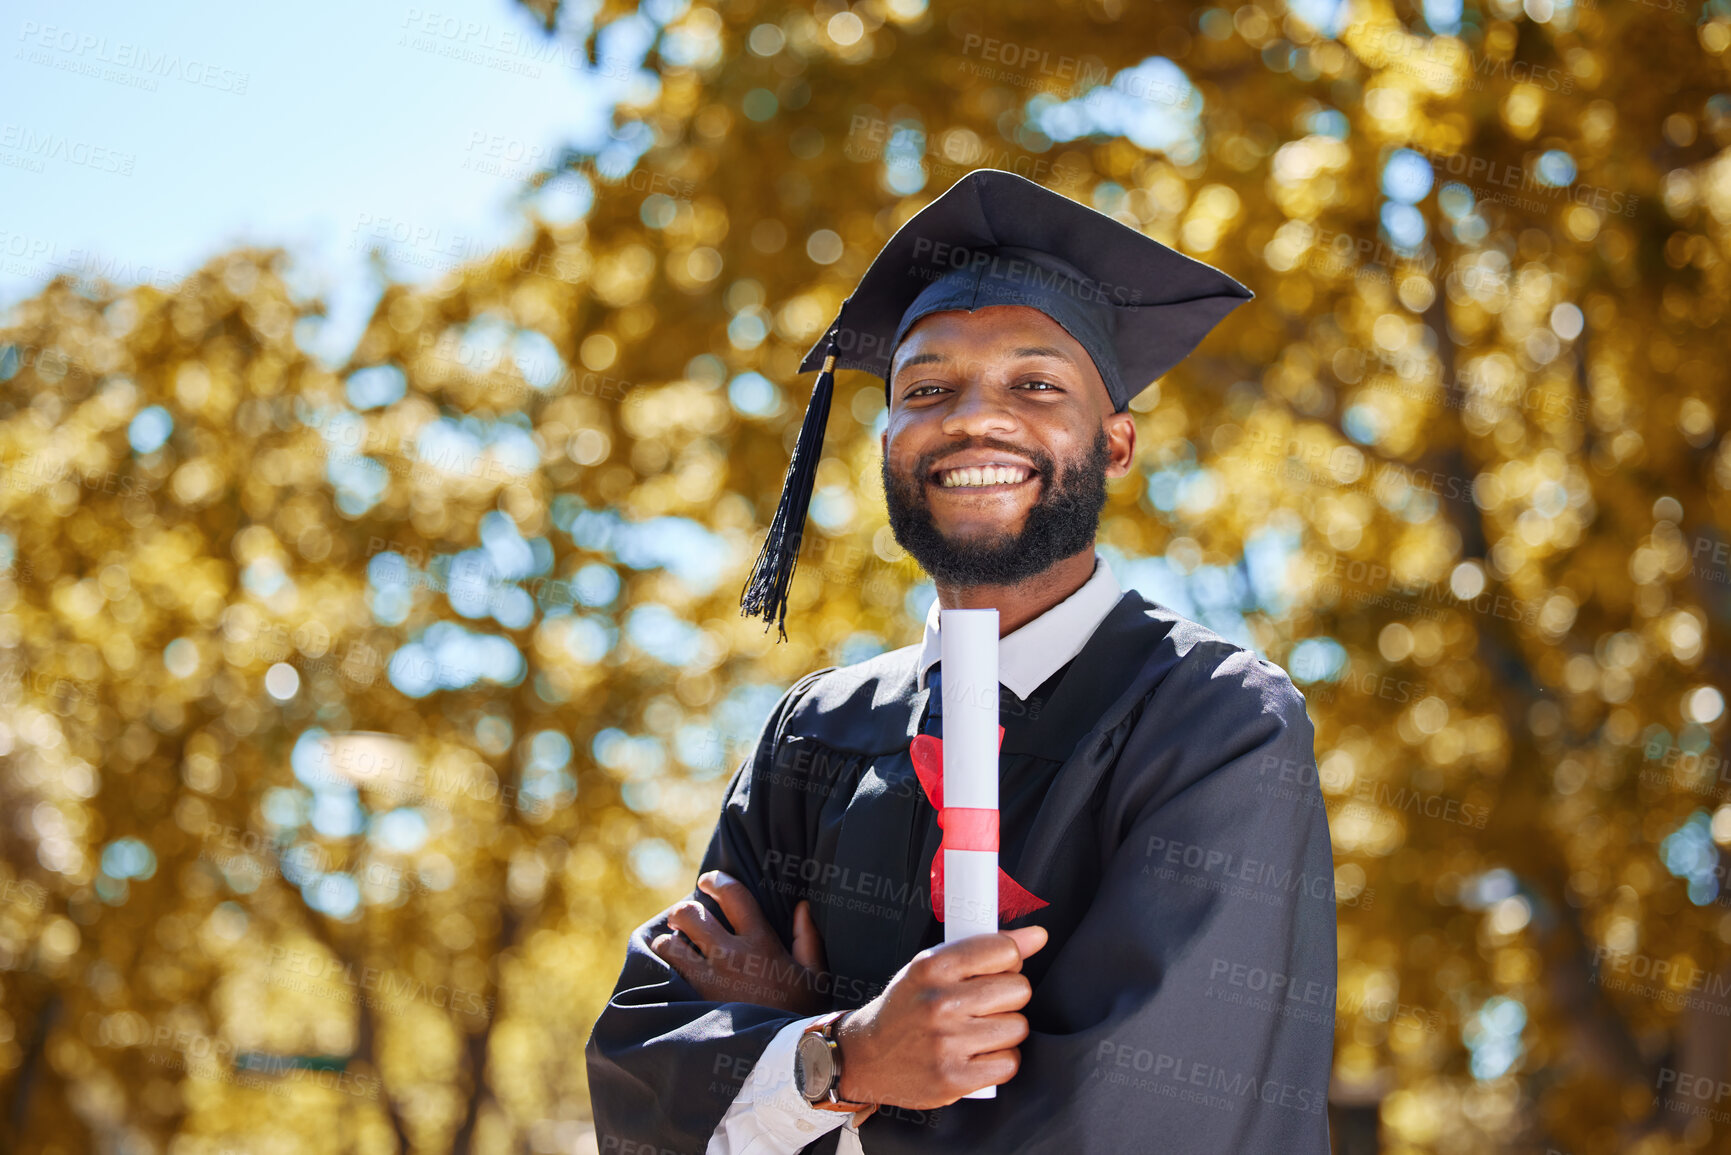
965	828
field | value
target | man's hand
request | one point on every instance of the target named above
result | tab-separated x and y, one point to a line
946	1025
751	965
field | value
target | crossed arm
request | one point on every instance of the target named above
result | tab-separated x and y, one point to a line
1129	994
947	1024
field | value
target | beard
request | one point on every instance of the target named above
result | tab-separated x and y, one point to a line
1061	524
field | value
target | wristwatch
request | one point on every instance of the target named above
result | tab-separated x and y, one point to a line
817	1065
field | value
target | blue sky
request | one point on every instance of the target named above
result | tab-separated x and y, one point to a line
140	140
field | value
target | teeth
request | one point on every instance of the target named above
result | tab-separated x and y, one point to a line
977	475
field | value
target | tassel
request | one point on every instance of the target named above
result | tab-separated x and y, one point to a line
766	592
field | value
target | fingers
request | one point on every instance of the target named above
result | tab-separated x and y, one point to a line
995	994
986	953
807	943
736	902
692	919
1028	939
995	1067
991	1033
678	954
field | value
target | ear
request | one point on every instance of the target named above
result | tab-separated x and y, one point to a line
1120	442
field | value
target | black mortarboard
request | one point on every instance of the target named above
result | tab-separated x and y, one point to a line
995	238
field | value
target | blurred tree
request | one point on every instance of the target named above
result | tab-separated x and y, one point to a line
355	714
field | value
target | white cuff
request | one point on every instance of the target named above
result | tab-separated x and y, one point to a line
769	1116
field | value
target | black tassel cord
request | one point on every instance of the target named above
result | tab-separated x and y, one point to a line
765	593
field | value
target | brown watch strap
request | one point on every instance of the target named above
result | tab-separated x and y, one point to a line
828	1027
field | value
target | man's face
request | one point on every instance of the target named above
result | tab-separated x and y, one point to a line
1002	386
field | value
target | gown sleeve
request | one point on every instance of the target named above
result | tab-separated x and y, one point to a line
664	1064
1194	1002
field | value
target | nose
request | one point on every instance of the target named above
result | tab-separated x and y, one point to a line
978	411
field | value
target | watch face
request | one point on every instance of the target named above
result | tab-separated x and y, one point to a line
813	1068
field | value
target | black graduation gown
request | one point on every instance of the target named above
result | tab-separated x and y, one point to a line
1159	792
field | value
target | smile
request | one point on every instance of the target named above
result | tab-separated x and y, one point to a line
983	476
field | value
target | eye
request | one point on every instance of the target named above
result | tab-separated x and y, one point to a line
916	392
1047	384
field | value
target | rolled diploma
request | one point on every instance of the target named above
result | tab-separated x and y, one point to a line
968	648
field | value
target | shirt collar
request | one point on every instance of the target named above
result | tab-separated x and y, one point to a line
1034	652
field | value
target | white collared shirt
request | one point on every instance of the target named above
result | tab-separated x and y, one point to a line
769	1116
1035	651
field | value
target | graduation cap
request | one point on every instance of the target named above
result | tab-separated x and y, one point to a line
995	238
